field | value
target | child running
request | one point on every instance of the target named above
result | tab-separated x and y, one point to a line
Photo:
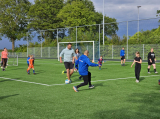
31	65
100	60
138	62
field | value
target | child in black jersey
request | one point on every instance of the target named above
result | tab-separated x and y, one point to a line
138	62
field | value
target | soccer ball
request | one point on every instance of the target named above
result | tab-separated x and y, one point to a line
66	81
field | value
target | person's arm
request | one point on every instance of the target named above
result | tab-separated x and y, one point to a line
133	63
90	63
149	57
140	62
103	61
120	54
61	55
76	64
124	53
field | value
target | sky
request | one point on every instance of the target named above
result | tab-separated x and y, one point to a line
122	10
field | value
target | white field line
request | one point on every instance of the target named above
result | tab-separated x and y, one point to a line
75	82
25	81
106	80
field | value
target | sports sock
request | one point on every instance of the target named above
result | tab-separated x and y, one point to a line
154	70
65	71
148	70
33	71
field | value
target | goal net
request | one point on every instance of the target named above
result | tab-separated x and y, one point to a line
91	46
12	60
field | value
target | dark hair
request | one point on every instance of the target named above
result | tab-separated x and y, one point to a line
138	53
76	49
101	56
69	44
4	48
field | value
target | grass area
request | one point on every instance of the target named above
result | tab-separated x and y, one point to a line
110	99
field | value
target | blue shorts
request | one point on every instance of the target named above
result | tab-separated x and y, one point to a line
100	64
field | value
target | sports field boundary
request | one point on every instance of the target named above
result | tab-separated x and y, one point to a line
72	83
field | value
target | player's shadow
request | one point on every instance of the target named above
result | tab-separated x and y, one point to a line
104	68
5	80
3	97
39	72
141	79
18	68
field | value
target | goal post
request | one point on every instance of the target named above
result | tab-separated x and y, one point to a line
12	60
81	45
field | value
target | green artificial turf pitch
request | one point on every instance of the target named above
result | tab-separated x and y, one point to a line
45	96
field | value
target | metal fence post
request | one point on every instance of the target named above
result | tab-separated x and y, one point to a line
127	39
76	36
57	43
143	51
99	40
41	43
112	51
49	52
27	44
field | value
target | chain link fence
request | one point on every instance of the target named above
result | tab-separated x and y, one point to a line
107	51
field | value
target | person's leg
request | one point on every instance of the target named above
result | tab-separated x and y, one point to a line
71	67
33	70
121	61
124	61
149	66
138	73
28	70
68	74
3	60
5	64
154	66
85	78
89	78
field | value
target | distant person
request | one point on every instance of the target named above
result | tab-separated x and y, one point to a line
69	56
84	63
152	61
28	60
100	60
31	66
122	55
138	61
77	53
4	56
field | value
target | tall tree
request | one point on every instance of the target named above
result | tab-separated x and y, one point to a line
76	14
87	3
158	14
13	21
43	15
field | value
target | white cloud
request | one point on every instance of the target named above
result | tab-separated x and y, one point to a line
124	10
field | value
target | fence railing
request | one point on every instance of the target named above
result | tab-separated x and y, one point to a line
107	51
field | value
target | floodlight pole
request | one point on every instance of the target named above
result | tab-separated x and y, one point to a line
138	20
103	22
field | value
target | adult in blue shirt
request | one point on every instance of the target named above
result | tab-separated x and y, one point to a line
122	55
84	63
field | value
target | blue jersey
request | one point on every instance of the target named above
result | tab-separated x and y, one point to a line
28	60
122	53
84	63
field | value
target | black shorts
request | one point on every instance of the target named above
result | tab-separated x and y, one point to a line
149	63
69	65
123	57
